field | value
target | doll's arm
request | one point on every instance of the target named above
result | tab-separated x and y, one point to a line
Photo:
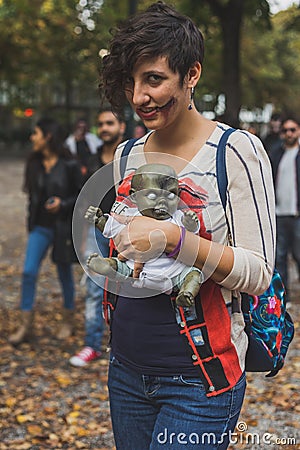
95	215
190	221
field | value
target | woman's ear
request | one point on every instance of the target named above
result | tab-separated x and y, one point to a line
194	74
48	137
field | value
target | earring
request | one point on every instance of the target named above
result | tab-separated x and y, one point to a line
191	98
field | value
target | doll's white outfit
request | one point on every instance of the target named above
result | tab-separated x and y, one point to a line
161	273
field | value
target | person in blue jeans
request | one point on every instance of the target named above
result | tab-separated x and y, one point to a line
53	181
111	129
177	374
94	324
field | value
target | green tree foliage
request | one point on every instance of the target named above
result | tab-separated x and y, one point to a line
222	22
49	52
271	63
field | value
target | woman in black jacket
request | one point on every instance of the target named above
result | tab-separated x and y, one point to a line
53	181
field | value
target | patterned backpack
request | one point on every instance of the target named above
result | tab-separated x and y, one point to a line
269	327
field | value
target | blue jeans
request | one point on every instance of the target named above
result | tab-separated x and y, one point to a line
94	323
39	241
152	413
288	241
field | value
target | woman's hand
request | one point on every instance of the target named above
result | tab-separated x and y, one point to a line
52	205
143	238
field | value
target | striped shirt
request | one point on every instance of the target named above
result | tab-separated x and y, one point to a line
250	210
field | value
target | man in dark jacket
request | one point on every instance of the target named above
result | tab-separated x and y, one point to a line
272	140
285	162
111	131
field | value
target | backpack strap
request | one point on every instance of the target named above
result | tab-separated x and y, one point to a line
125	152
222	178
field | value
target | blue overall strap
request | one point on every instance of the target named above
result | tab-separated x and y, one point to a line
126	150
222	179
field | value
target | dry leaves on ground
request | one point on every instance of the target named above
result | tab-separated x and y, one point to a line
47	404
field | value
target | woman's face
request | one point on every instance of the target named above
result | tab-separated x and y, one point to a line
38	140
155	93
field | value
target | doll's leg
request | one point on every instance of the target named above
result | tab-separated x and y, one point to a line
189	288
104	266
109	267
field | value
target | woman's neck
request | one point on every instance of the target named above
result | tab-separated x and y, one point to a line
48	154
49	159
182	139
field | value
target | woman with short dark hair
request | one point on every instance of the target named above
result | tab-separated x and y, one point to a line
177	375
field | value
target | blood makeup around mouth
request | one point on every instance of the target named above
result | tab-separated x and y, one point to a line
152	113
167	105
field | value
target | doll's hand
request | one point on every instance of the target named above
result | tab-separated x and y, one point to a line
93	214
190	221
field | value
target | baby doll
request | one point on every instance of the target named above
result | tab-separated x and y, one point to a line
155	191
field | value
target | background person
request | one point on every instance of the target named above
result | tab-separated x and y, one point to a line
168	370
111	130
285	162
53	181
83	144
273	139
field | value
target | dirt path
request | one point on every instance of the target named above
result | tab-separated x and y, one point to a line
47	404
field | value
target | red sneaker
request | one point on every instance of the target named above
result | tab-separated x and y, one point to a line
86	355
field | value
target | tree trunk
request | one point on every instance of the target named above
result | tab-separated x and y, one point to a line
231	26
132	7
230	15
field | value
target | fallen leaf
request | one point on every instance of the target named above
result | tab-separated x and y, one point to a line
34	429
21	418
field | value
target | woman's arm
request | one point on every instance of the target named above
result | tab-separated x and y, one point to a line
251	214
145	238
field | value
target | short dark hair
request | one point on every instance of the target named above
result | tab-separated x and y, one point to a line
276	116
158	31
105	109
291	118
